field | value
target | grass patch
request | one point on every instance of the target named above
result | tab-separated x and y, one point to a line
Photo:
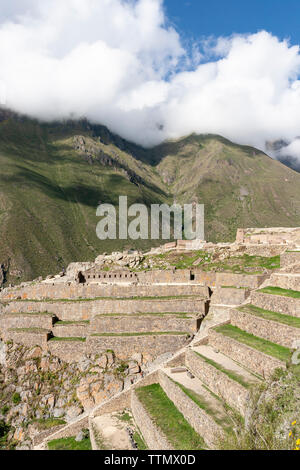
79	340
279	291
231	374
245	264
269	315
125	417
16	399
156	333
69	443
138	439
68	323
234	287
262	345
44	424
167	417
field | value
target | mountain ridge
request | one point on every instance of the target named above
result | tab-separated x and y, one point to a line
54	175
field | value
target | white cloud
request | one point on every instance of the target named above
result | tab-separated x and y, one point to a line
118	63
292	150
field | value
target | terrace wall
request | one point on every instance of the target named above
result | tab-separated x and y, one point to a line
154	438
125	346
85	310
289	258
144	323
199	420
227	389
253	359
75	291
272	331
229	296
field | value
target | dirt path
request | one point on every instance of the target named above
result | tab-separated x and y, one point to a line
113	432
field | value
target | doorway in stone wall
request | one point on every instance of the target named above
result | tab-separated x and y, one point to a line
81	278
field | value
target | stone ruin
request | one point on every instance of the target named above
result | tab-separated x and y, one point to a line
170	319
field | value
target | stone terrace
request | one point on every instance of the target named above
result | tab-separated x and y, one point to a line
240	344
222	332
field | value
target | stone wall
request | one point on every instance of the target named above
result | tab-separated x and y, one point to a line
18	320
229	296
153	437
69	430
143	323
85	310
272	236
44	291
217	314
240	280
289	258
286	281
250	358
165	276
198	419
68	351
123	400
230	391
272	331
150	346
27	338
212	279
125	346
78	330
276	303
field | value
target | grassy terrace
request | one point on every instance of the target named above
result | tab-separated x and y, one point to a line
230	373
262	345
44	424
278	291
69	443
155	333
269	315
203	260
173	297
68	339
166	416
223	421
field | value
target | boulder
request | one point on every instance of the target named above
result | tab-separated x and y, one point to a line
80	436
73	412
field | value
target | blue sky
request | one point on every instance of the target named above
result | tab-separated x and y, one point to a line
198	18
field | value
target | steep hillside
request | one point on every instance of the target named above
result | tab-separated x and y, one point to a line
49	193
53	176
240	186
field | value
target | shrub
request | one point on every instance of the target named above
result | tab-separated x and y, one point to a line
16	398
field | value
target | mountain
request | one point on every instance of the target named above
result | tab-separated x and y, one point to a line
53	176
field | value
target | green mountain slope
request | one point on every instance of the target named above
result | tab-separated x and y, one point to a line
53	176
